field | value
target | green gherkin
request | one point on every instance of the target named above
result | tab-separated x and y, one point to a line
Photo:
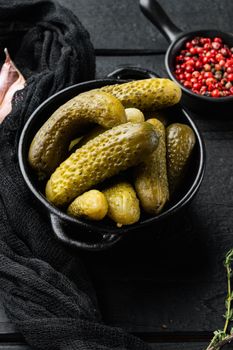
51	143
91	205
180	143
104	156
146	95
123	205
151	182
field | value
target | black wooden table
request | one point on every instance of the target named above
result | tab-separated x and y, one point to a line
168	286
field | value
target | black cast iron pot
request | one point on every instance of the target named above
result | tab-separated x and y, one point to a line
89	235
203	105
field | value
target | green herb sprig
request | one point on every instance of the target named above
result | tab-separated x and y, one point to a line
222	337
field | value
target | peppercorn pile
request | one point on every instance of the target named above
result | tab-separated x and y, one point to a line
205	66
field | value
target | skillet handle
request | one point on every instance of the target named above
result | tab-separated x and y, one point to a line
155	13
61	231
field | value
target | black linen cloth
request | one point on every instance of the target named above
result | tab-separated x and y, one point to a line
45	290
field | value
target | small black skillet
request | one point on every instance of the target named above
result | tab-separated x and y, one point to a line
203	105
89	235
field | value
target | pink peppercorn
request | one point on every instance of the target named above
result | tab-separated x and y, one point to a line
205	66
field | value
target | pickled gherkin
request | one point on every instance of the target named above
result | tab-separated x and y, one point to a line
151	176
51	143
104	156
180	143
91	205
123	205
146	95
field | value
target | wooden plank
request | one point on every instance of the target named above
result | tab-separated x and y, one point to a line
121	24
152	308
179	346
111	23
16	346
165	346
3	317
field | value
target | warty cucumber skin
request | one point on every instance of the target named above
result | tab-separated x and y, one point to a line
50	144
151	181
123	204
106	155
146	95
180	143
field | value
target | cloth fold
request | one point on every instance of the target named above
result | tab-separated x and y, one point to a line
45	289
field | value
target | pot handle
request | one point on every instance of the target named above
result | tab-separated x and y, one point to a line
62	233
156	14
129	73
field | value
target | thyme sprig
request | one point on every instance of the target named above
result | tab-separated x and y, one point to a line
222	337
